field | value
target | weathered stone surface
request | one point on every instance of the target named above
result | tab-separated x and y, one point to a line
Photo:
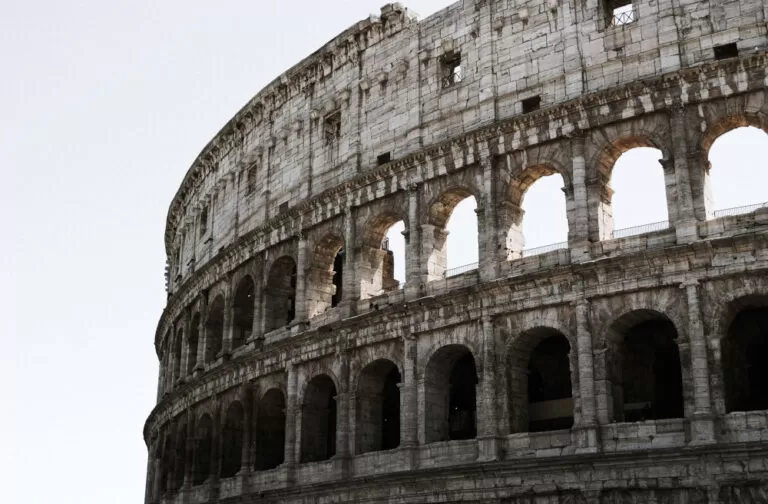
604	370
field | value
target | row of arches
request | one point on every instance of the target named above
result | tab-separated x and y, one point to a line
640	373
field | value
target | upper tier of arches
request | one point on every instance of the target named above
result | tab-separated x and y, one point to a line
377	94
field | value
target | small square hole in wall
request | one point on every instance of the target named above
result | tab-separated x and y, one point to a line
332	127
726	51
383	158
283	207
531	104
451	72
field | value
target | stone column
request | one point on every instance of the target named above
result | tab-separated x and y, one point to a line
587	439
409	415
578	218
302	267
201	338
486	226
685	225
487	431
257	333
291	410
343	419
187	326
413	286
245	457
702	423
229	317
350	286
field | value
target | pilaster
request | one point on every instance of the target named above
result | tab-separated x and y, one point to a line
586	432
487	432
702	423
413	281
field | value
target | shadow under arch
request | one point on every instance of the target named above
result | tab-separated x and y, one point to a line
450	394
540	381
744	353
377	412
319	419
270	430
642	368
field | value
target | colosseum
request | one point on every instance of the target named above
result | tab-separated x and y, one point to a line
612	368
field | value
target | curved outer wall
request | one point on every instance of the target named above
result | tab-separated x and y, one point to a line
254	353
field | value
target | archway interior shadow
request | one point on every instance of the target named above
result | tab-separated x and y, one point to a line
745	360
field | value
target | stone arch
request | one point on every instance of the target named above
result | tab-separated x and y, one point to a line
233	434
643	368
319	419
270	430
731	120
280	294
519	184
243	311
193	342
541	378
376	268
607	146
744	351
325	282
214	329
450	394
434	232
377	409
203	453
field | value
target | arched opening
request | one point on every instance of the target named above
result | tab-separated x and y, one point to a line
382	256
628	195
203	447
643	368
192	342
541	393
181	457
744	356
451	235
542	224
378	407
243	306
177	354
280	294
232	440
270	431
450	395
214	329
737	159
638	197
324	289
318	420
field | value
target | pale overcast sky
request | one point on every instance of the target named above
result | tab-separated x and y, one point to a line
103	106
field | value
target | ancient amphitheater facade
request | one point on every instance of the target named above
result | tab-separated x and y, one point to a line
294	368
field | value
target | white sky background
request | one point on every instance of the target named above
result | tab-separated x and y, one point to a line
103	106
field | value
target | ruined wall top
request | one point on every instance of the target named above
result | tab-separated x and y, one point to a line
391	86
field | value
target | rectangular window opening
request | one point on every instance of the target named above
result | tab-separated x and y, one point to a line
531	104
204	220
332	127
726	51
283	207
383	158
621	12
451	72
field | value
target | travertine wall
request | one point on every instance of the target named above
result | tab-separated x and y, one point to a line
294	178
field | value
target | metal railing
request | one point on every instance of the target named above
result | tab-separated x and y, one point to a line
544	249
739	210
622	16
461	269
638	230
